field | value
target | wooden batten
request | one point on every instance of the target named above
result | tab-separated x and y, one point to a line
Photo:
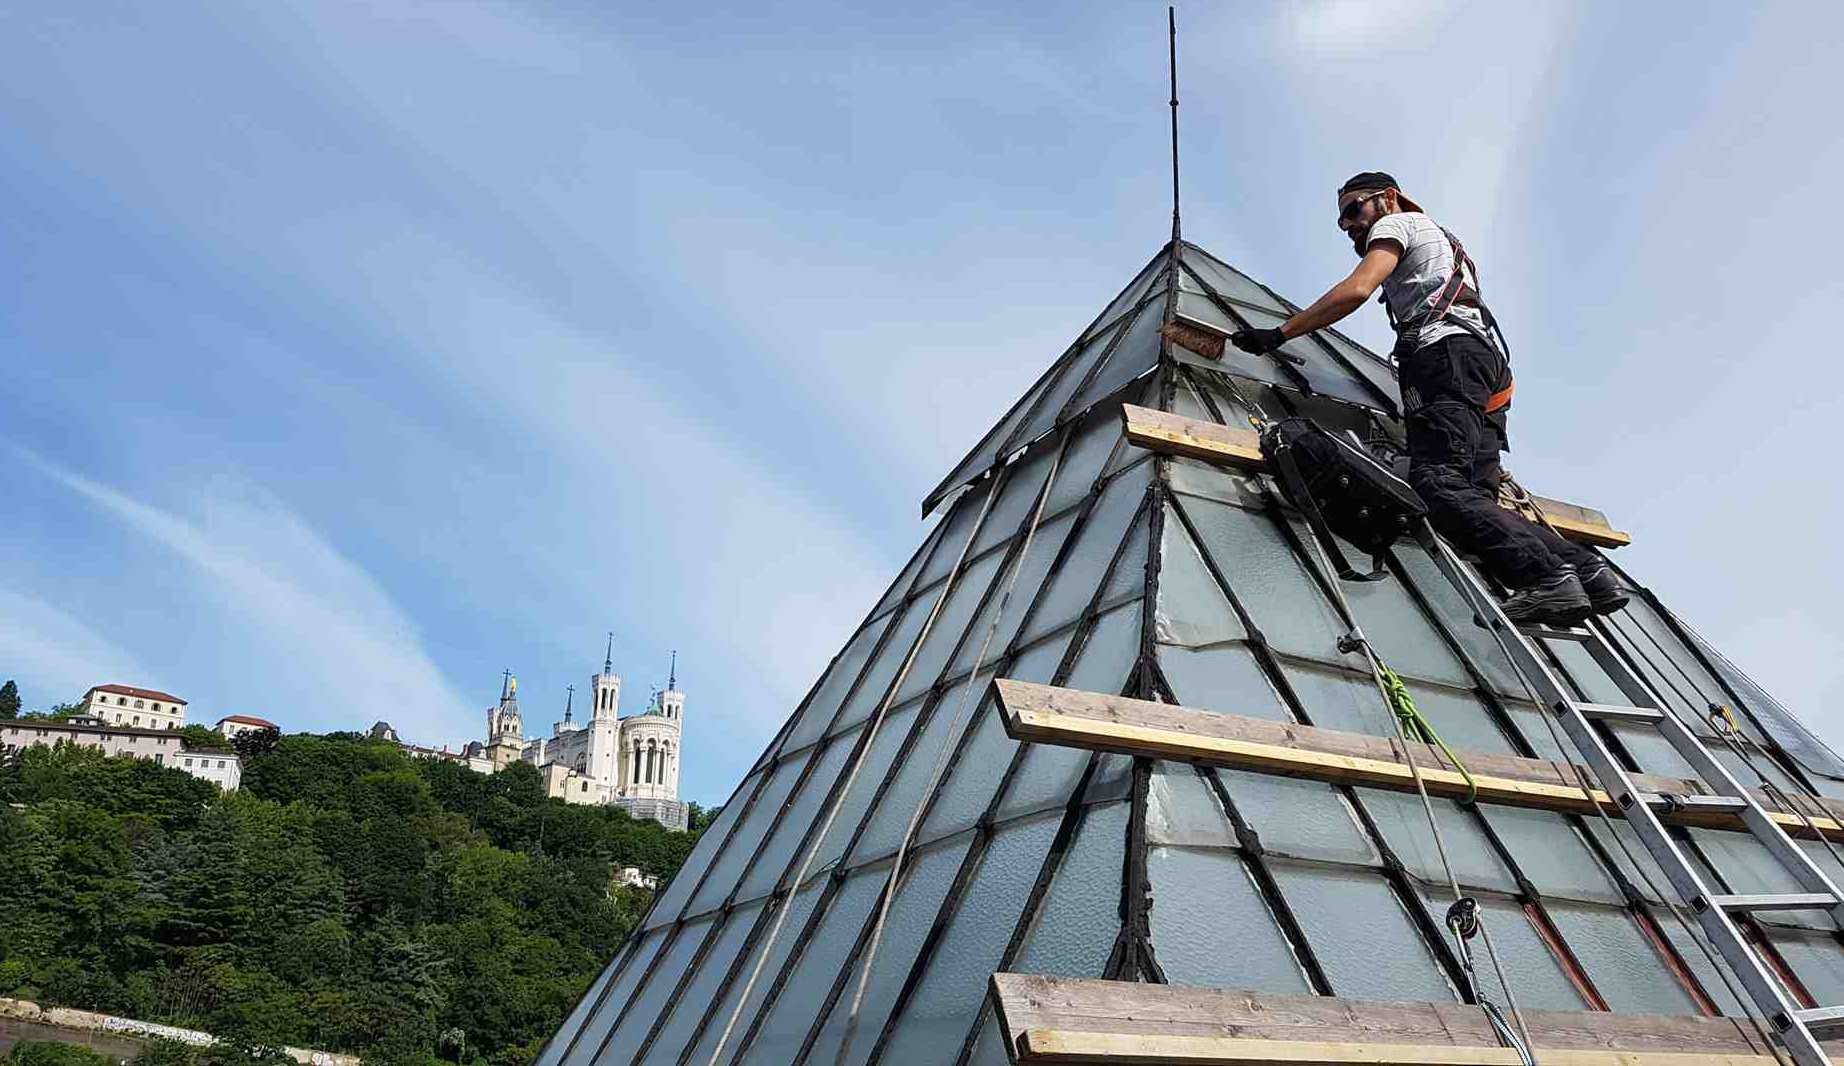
1194	438
1047	715
1071	1020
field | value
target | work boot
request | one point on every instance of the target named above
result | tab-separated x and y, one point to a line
1603	587
1557	600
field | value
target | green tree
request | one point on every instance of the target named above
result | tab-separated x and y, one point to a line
9	700
53	1053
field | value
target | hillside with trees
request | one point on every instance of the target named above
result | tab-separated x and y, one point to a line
349	897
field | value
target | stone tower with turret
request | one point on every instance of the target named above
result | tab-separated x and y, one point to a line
505	726
650	752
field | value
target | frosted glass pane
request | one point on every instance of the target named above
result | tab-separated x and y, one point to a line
1397	629
820	710
1269	579
1076	581
654	995
1025	586
1137	353
1182	809
912	913
1338	699
1211	927
672	900
1050	771
1192	607
807	808
1537	978
1352	919
1096	438
949	625
1448	605
1193	478
1304	819
1552	854
1816	959
582	1049
1057	396
1079	918
686	1008
799	910
1129	575
1224	678
956	529
871	774
900	587
976	772
1701	965
1749	868
1461	720
1403	822
1023	484
1147	282
945	1003
876	684
793	1013
908	792
1621	962
989	1049
742	844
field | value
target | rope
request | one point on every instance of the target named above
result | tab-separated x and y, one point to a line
838	800
1411	721
1723	721
1396	697
941	760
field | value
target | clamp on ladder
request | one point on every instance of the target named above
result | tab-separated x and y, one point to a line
1799	1028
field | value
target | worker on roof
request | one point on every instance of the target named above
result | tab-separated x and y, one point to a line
1455	376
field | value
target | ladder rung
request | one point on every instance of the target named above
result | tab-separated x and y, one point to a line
1608	712
1821	1019
1681	802
1557	633
1783	901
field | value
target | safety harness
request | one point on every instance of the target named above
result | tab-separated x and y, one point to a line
1456	291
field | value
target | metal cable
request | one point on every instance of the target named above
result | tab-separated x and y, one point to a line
838	800
1522	1042
941	759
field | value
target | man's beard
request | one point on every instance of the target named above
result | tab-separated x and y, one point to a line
1359	235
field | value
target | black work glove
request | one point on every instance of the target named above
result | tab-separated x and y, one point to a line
1258	341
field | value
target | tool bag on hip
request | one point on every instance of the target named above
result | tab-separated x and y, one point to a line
1342	489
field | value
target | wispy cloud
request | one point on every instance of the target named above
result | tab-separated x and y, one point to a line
327	625
55	656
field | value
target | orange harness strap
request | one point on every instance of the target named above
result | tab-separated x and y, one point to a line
1501	399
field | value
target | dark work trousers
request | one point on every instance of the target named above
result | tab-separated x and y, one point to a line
1453	461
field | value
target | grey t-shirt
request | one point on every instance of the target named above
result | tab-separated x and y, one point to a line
1427	263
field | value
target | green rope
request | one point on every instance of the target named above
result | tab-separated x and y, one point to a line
1416	726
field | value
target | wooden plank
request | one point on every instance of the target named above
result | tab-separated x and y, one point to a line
1097	722
1194	438
1070	1020
1107	1049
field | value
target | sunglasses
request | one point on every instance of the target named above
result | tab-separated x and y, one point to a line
1350	211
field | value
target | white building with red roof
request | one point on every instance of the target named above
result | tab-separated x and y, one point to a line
135	708
232	724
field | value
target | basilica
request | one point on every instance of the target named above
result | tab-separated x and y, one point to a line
630	762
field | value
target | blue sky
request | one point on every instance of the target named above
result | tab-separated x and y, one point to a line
356	352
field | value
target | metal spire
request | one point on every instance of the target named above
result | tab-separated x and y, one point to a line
608	659
672	675
569	698
1171	24
505	684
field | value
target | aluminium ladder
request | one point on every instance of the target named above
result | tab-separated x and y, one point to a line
1797	1027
